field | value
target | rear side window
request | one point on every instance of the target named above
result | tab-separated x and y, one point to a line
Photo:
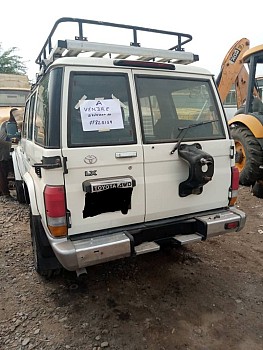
31	116
41	114
100	111
170	108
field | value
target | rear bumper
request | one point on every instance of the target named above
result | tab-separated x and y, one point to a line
86	251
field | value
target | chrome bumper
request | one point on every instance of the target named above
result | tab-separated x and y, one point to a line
216	224
74	255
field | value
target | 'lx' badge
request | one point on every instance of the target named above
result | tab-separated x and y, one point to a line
91	173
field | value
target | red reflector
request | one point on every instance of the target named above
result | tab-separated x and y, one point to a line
234	178
231	225
55	201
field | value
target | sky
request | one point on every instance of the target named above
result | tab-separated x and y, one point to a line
214	25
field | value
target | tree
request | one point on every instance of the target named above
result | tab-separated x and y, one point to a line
10	63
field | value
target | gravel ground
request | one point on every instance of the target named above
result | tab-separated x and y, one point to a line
208	296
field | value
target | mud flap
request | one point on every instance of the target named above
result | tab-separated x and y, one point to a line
201	169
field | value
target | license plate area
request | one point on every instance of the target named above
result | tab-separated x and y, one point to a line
107	195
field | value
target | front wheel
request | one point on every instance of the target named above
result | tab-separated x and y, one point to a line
249	155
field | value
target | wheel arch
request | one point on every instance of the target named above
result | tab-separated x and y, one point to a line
15	167
250	121
30	187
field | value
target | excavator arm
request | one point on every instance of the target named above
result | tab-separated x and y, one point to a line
233	72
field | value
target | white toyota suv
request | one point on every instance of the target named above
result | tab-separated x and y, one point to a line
123	149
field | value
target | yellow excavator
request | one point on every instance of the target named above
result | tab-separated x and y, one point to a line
247	124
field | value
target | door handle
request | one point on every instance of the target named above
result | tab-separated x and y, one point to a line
126	154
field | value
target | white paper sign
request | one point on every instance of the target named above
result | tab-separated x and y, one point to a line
101	115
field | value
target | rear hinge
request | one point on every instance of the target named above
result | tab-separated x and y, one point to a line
65	169
68	218
232	152
47	163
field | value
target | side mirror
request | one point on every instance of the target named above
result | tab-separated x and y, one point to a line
12	131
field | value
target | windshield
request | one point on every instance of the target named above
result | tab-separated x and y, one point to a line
167	105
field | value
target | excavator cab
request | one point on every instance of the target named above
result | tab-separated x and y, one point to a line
254	59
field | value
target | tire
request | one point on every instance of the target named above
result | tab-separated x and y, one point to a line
20	192
249	155
45	261
257	189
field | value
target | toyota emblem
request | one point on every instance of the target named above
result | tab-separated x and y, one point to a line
90	159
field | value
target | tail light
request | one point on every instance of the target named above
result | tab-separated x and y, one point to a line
56	210
233	191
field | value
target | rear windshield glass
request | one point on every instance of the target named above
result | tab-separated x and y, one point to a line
100	110
172	107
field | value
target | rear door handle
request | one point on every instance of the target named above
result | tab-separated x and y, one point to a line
126	154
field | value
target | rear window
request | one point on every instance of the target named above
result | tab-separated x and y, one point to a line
172	108
100	111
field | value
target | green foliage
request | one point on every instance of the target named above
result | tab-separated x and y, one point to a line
10	63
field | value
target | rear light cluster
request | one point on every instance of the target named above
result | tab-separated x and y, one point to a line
233	191
56	210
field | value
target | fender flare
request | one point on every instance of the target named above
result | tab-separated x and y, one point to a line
251	122
31	193
15	166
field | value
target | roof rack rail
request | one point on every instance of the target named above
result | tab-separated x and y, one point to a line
72	48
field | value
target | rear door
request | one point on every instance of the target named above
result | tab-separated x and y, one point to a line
183	109
103	153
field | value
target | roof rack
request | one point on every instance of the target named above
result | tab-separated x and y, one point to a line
72	48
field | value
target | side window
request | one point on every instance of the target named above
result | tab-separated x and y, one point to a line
25	123
31	117
41	114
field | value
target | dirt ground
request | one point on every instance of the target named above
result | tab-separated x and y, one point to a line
208	296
